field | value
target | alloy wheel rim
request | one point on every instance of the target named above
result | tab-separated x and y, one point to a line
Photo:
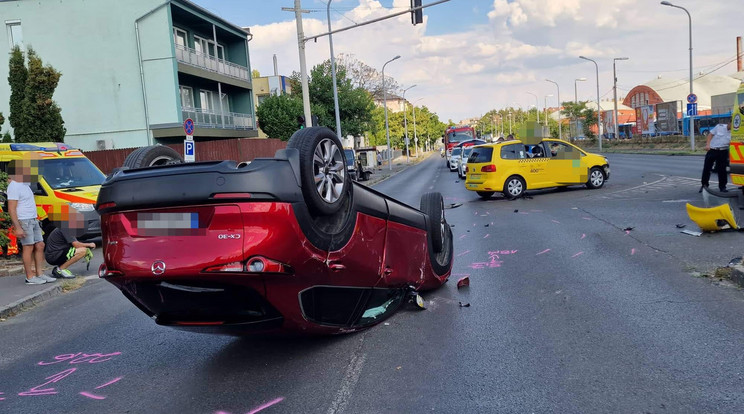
329	171
597	178
515	187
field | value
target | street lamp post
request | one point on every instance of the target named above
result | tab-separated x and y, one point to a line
692	119
599	123
415	136
576	102
333	74
405	118
384	104
614	93
537	106
545	108
560	135
510	122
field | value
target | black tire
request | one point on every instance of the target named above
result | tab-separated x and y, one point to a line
432	204
152	156
330	166
596	179
514	187
484	194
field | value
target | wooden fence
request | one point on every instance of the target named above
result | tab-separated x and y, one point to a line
242	149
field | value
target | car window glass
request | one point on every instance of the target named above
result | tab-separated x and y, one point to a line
513	152
481	154
456	151
70	172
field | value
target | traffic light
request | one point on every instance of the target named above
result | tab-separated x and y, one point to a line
300	121
417	16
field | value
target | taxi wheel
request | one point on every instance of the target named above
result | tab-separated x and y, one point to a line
596	178
485	194
514	187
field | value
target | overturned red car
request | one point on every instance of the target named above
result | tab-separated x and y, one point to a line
288	243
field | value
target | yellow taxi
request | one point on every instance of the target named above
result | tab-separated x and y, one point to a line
512	167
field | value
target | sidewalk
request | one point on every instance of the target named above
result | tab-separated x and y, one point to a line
16	296
383	172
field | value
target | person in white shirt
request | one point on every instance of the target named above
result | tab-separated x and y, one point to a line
22	210
717	145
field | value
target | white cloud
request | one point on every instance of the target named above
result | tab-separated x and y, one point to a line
466	73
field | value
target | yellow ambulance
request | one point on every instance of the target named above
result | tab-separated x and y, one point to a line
736	149
67	179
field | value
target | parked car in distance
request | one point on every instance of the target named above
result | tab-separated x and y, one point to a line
512	167
283	244
455	158
351	167
462	166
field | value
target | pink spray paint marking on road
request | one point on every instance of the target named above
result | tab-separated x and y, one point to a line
632	251
627	231
93	396
81	358
587	218
463	236
583	236
2	398
556	221
486	236
37	390
267	405
463	253
577	254
109	383
543	252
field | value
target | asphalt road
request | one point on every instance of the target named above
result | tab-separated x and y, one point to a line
569	313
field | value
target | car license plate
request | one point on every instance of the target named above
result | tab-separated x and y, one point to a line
472	185
152	221
475	176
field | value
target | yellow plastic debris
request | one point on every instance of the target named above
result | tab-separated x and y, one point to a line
712	218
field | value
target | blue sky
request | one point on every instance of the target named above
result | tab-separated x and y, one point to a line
260	12
470	56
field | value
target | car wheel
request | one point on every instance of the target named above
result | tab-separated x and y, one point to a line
514	187
152	156
325	182
596	178
432	204
484	194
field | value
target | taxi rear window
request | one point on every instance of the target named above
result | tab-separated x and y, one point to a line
481	154
512	152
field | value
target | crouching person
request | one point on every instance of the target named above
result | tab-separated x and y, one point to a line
63	249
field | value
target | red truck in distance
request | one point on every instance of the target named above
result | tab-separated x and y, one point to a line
454	136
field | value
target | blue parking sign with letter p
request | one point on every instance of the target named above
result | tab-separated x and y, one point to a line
189	151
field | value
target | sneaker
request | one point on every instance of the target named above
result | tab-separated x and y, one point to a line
46	278
35	281
66	273
55	272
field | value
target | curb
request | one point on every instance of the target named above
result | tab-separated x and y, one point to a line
30	301
34	299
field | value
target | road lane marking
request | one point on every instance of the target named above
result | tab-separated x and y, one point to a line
353	372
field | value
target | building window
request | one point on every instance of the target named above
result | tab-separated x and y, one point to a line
179	37
208	48
187	97
207	101
15	34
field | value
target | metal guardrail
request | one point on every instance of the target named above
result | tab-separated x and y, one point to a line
202	60
227	120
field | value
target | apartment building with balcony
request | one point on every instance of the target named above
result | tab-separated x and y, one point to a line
133	71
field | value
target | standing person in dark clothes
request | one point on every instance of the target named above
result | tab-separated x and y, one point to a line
717	145
63	249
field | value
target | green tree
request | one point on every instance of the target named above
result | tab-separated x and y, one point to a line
17	74
41	117
574	111
255	73
277	115
2	120
355	104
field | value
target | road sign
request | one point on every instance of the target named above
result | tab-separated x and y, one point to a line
189	149
692	98
691	109
188	126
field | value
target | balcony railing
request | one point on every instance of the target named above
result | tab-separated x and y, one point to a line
227	120
204	61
